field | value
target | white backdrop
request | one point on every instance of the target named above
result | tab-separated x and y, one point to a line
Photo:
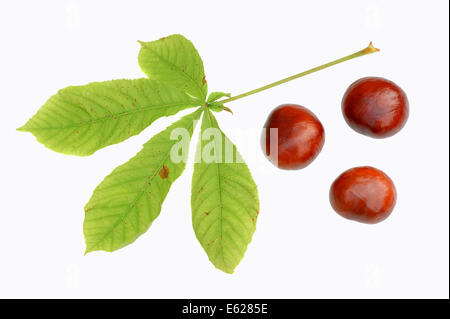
301	248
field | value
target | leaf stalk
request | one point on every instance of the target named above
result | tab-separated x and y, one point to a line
368	50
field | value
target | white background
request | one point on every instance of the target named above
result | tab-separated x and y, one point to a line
301	248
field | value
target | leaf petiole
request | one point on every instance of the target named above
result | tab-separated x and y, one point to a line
370	49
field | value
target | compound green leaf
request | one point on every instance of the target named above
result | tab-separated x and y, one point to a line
126	202
175	61
224	198
80	120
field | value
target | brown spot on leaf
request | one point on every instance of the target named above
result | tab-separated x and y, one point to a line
204	80
207	213
164	172
201	190
212	242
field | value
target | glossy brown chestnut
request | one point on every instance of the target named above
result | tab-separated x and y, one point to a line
297	135
364	194
375	107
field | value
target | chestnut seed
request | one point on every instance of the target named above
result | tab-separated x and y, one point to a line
295	135
364	194
375	107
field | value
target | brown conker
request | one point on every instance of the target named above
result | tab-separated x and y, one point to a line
299	137
364	194
375	107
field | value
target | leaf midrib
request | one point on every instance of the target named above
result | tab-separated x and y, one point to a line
220	198
107	117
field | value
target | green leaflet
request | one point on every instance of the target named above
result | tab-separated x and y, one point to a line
214	96
175	61
79	120
218	107
128	200
224	199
